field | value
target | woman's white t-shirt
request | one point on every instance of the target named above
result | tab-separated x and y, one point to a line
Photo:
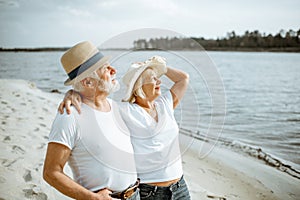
155	144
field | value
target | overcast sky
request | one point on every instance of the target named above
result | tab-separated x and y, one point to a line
39	23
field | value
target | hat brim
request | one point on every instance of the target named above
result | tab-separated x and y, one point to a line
87	72
129	91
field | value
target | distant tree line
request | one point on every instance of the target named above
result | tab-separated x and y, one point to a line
35	49
256	41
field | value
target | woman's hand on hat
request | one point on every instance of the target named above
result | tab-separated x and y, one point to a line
158	61
137	64
71	98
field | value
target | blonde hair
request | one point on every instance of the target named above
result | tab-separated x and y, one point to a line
138	86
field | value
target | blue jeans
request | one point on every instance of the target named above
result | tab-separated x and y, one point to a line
176	191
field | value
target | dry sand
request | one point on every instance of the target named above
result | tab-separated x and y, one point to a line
26	117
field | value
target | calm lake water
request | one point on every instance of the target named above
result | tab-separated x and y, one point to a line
258	94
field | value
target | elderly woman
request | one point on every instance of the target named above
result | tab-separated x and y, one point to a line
149	116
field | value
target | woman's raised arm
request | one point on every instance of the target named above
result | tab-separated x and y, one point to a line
181	81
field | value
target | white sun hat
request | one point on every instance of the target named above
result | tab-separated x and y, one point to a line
157	63
81	60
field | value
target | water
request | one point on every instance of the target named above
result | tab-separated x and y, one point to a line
262	93
263	100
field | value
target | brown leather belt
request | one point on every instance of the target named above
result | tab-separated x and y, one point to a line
165	183
125	194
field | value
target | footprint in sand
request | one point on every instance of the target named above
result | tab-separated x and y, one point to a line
4	102
18	149
213	196
41	146
2	179
6	139
33	194
43	125
27	176
8	163
291	195
9	108
41	98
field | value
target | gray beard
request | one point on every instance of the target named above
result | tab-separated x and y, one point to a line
108	86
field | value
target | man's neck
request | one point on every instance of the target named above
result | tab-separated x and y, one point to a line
97	101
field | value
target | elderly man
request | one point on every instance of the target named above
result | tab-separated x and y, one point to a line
96	143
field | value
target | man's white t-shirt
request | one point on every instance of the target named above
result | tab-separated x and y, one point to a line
101	150
155	144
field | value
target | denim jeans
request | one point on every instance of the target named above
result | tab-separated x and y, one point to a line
176	191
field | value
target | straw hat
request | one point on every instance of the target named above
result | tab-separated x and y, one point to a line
81	60
157	63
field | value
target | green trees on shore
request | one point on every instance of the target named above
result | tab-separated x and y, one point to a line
283	41
250	40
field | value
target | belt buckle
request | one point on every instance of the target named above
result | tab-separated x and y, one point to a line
130	191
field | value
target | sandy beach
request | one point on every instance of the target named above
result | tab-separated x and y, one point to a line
26	117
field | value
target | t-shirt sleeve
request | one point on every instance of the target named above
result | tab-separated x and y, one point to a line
64	130
124	109
168	100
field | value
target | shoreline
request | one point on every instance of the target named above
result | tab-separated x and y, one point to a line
222	49
255	152
26	117
222	172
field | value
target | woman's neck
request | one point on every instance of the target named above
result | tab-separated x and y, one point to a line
148	106
145	103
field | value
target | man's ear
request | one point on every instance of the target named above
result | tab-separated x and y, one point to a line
87	82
